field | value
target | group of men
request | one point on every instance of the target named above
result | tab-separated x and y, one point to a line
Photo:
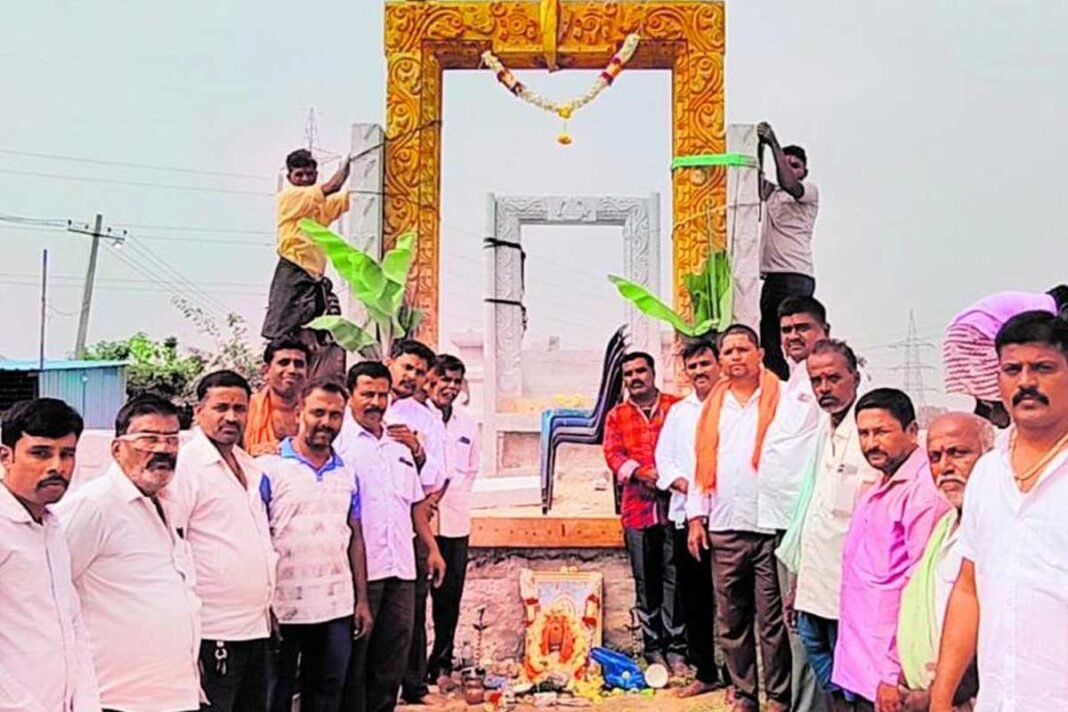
286	547
834	541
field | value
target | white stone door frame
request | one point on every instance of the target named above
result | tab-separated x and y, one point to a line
504	306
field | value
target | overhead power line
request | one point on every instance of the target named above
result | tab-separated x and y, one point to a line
136	184
132	164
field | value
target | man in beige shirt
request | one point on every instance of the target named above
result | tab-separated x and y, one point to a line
786	264
822	514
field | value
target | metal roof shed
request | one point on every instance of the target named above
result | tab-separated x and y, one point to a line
96	389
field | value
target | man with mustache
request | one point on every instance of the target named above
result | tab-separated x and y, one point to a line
314	509
395	511
462	450
133	569
888	532
722	509
45	663
215	500
969	358
1010	601
675	464
410	421
836	474
273	412
789	444
631	431
955	442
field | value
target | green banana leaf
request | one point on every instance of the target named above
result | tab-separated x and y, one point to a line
710	291
397	262
379	288
649	304
710	294
348	335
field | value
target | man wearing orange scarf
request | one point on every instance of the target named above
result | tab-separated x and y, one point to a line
722	513
274	409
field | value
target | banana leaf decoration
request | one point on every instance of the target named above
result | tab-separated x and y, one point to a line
378	286
710	295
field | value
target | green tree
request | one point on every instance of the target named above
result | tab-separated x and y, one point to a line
232	349
153	366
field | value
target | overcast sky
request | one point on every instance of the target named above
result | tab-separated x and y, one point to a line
933	131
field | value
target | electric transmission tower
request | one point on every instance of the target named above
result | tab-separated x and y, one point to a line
914	366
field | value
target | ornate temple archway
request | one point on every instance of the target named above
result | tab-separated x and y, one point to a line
424	38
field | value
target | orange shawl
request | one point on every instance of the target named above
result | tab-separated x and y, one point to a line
259	432
708	426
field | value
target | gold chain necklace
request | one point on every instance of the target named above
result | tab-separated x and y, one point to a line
1040	465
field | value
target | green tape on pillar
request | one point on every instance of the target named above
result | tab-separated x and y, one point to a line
705	160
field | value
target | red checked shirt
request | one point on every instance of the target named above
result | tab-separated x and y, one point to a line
629	445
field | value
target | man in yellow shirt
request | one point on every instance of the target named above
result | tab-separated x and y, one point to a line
299	290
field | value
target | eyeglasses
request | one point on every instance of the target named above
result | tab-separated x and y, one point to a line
148	441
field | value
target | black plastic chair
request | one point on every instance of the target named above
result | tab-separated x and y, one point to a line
584	427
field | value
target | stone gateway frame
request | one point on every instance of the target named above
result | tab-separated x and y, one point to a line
423	38
505	310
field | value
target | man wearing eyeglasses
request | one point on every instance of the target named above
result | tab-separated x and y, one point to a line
133	570
785	242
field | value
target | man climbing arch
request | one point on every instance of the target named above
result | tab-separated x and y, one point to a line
300	290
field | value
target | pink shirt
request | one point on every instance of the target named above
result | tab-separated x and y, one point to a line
887	536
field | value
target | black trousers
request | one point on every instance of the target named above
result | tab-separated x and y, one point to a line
414	687
652	562
446	604
315	657
747	586
238	681
777	287
379	660
698	603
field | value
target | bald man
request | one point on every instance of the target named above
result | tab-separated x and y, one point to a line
955	442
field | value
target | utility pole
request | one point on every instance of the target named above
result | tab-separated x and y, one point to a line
44	304
90	275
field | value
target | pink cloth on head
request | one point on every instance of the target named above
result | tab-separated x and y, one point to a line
989	314
968	356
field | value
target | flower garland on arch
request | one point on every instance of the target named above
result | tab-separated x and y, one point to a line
565	109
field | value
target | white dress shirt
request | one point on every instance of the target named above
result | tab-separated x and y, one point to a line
789	443
733	505
842	475
226	526
389	487
1019	545
676	454
430	430
462	444
45	663
309	510
136	580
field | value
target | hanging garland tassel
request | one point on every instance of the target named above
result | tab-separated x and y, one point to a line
565	109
